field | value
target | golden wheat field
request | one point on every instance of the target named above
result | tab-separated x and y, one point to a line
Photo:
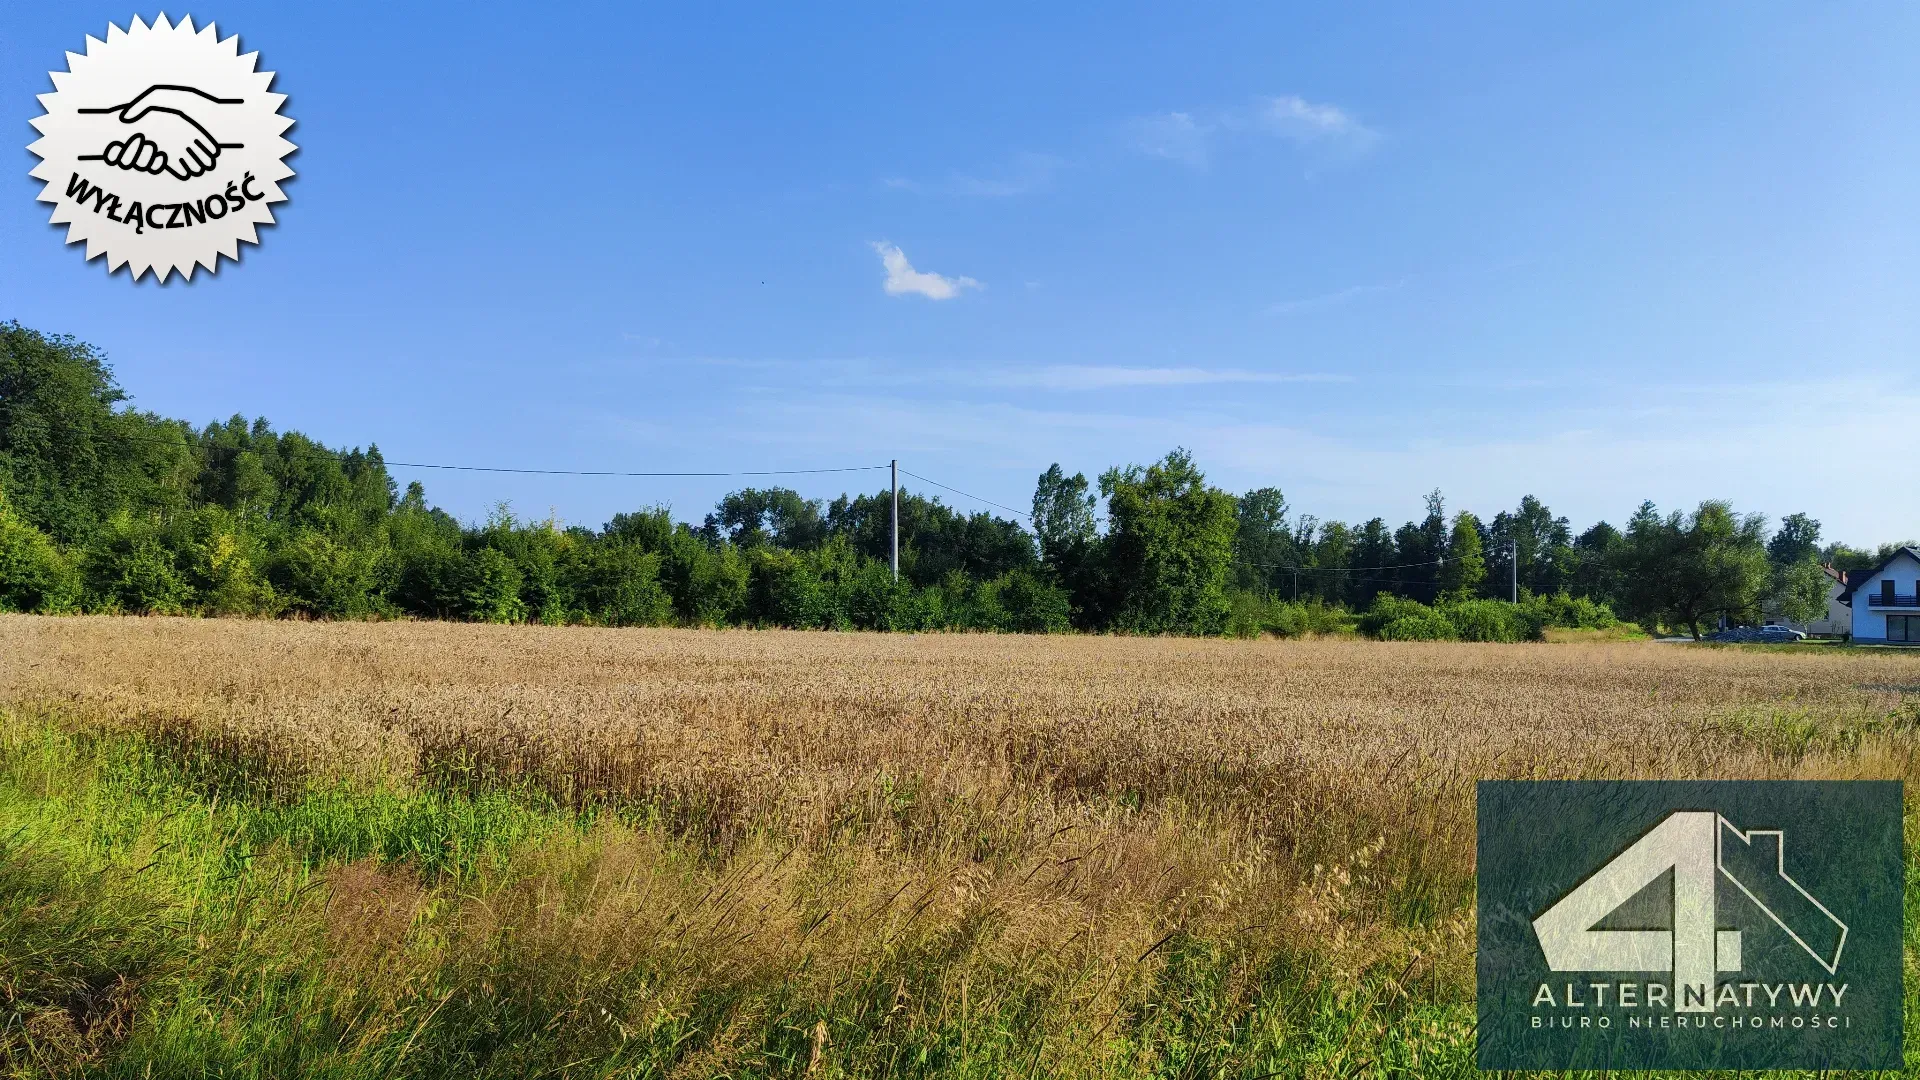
784	853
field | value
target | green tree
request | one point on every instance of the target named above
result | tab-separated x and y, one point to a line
784	590
1029	603
1070	544
935	539
1330	551
1798	590
1596	571
1847	558
1685	570
1466	565
34	575
1798	540
69	458
1063	518
708	584
618	584
778	516
128	566
492	591
318	574
1419	548
1263	548
1169	545
1373	559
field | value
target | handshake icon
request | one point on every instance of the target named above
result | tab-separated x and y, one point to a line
161	132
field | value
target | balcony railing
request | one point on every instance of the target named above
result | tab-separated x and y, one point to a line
1896	600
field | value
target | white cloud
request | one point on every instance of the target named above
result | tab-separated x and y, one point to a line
1176	136
1332	299
1026	174
1594	460
1296	118
1099	377
903	279
1189	138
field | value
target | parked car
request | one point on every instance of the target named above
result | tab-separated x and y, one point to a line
1774	634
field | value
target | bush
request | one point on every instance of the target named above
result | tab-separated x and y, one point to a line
708	585
221	562
129	567
320	575
1396	618
429	578
1571	612
783	590
34	575
1028	604
1488	620
618	584
492	592
870	599
1253	615
1428	625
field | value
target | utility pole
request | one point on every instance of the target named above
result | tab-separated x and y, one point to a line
896	519
1513	568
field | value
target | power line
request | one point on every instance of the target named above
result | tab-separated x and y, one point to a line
1349	569
191	436
611	472
975	498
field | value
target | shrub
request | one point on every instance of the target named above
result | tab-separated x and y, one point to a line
320	575
221	561
1488	620
128	567
708	585
871	599
783	590
34	575
429	578
1570	612
1253	615
618	584
1419	622
1028	604
1428	625
493	584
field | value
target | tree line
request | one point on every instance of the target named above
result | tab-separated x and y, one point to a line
105	508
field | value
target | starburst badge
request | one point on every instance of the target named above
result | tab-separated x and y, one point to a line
161	148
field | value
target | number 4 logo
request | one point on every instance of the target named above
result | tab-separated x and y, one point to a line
1700	847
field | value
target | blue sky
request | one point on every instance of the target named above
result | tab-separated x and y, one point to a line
1594	253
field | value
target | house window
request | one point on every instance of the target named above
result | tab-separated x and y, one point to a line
1886	591
1903	628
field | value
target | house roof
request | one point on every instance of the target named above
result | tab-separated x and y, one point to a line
1837	575
1854	581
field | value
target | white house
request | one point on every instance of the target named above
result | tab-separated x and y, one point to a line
1836	621
1886	600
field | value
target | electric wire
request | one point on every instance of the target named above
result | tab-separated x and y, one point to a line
616	472
841	469
975	498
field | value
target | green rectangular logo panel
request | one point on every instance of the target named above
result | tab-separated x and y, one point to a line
1679	924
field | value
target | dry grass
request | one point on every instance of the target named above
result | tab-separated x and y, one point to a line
915	832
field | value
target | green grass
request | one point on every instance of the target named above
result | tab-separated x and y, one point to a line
163	918
161	915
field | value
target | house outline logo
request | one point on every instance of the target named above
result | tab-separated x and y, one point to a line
1691	845
1690	924
1780	868
162	148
